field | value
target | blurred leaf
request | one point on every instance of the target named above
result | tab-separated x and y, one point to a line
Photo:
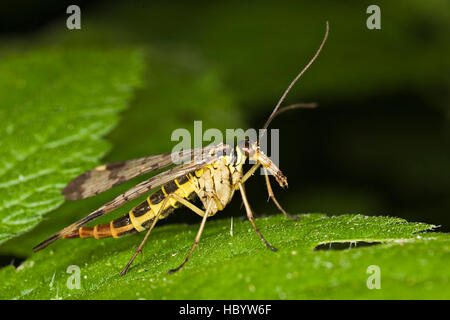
56	105
240	266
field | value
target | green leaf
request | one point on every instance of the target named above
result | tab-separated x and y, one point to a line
56	105
239	266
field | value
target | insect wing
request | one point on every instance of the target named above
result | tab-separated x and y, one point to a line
107	176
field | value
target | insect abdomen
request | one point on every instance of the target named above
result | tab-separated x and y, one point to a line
116	228
140	217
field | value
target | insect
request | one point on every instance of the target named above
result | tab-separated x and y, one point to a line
213	174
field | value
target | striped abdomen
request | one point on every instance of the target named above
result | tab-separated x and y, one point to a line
141	216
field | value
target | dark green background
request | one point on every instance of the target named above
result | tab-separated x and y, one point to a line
377	145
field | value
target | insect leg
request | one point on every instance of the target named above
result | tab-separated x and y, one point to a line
250	172
247	175
197	238
250	217
271	195
179	199
189	205
139	249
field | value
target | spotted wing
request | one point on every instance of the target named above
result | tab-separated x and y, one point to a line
107	176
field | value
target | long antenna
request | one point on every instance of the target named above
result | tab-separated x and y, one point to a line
306	105
274	112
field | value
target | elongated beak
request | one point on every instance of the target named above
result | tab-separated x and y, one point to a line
272	168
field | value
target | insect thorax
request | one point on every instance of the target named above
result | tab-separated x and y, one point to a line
217	181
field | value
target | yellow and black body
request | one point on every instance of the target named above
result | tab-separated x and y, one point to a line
218	180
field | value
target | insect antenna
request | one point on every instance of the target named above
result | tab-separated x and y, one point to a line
276	111
306	105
